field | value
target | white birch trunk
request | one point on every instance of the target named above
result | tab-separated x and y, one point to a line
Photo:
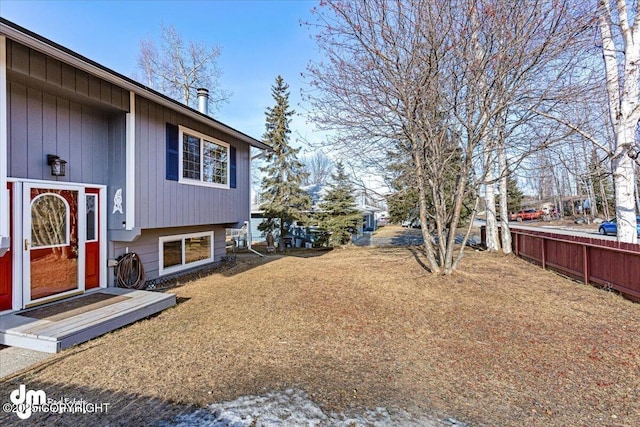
591	191
492	221
560	191
504	212
490	204
623	179
624	107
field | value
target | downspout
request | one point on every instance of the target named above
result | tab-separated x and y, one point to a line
248	225
4	136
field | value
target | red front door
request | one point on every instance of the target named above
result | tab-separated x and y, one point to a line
52	248
92	251
6	264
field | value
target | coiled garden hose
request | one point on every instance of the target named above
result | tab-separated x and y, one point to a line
130	272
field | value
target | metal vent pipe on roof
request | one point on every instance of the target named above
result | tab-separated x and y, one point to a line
203	100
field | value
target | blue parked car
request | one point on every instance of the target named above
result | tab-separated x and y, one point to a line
611	227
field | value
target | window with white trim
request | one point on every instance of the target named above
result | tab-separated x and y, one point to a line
204	160
182	251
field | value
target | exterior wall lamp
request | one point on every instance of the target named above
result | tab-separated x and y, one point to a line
58	166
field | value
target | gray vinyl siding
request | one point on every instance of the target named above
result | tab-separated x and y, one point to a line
57	109
24	63
165	203
147	245
42	123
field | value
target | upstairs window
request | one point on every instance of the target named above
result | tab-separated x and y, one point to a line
203	159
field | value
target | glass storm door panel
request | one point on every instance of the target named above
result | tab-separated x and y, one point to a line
51	240
92	237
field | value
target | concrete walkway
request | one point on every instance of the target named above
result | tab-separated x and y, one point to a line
14	359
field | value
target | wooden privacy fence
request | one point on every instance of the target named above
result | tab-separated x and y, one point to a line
594	260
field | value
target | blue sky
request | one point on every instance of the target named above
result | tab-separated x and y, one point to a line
260	39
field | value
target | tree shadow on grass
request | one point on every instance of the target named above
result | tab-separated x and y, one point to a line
411	238
307	253
245	261
416	255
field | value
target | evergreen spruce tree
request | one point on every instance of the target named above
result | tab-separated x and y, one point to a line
338	213
514	195
403	203
283	201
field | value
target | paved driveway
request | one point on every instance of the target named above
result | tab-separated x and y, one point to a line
411	237
401	237
585	231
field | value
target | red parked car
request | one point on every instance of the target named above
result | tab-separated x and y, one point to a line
526	215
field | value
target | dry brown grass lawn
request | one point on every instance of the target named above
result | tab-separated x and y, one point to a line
501	342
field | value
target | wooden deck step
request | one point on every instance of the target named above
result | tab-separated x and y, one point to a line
56	332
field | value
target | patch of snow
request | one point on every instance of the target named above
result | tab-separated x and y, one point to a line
292	408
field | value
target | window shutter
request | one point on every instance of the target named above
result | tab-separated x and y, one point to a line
173	155
232	167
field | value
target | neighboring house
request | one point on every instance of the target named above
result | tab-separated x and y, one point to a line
369	217
143	173
317	193
370	214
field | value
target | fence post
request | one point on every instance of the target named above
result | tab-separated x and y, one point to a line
625	281
585	261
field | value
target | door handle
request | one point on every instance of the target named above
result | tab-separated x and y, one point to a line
26	244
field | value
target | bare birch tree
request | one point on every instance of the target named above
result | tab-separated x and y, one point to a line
619	26
620	33
503	167
178	69
429	78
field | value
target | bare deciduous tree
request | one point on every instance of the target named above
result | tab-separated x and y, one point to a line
319	167
621	51
619	25
429	79
178	69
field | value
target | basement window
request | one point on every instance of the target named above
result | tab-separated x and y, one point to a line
183	251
